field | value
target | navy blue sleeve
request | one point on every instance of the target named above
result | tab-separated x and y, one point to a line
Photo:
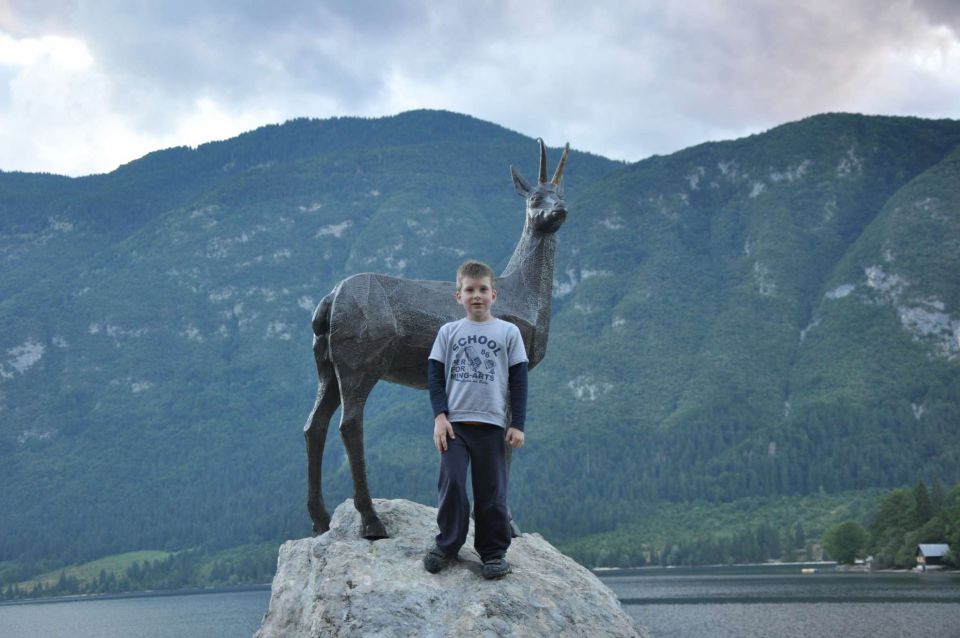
437	382
518	395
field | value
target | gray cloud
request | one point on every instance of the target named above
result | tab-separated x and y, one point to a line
621	79
945	12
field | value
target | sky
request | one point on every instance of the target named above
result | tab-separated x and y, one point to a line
86	86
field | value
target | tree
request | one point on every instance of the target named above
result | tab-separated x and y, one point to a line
799	538
937	496
924	508
952	516
891	522
845	541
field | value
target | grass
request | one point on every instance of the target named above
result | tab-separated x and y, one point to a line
85	572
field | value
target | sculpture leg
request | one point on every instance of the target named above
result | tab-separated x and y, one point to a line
315	435
354	395
514	528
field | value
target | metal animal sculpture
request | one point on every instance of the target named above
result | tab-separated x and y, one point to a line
374	327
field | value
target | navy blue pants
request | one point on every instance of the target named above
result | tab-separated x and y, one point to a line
483	446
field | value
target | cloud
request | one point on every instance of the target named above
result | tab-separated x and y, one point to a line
621	79
50	89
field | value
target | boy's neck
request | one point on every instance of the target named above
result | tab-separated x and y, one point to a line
488	318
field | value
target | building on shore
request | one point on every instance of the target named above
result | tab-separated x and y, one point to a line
931	555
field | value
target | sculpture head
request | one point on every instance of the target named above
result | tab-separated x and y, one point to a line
546	209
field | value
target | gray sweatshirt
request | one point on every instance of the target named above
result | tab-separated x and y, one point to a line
477	357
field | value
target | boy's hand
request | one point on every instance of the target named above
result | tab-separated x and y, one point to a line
515	438
441	430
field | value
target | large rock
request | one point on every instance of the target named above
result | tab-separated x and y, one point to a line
339	584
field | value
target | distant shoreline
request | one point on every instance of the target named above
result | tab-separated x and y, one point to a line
147	593
778	567
773	565
604	571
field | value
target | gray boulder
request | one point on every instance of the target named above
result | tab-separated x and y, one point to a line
340	584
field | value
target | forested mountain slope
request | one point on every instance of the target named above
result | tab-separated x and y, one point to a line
726	330
772	315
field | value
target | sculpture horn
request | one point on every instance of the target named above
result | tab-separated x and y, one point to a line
543	163
563	162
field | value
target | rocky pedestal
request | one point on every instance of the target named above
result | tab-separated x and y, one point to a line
339	584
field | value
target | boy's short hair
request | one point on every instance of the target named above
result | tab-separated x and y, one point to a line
475	270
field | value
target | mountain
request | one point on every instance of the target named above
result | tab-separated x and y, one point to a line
775	315
732	292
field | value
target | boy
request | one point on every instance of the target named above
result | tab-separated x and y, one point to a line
473	363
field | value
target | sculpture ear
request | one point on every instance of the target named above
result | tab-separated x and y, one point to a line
522	185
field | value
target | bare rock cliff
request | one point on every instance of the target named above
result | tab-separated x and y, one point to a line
339	584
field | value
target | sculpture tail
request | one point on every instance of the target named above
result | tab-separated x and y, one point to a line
321	327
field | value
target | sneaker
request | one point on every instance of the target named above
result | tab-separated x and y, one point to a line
496	568
435	560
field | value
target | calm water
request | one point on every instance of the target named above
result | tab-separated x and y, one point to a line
222	615
761	602
704	603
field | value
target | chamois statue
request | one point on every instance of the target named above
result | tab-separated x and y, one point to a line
374	327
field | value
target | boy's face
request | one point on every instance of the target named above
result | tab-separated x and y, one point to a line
477	297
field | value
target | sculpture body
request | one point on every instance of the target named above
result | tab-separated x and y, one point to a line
373	327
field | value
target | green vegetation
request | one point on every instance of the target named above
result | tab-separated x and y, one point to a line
749	530
137	571
737	327
908	517
845	542
86	572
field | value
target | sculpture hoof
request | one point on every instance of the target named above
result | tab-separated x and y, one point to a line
321	523
374	530
318	516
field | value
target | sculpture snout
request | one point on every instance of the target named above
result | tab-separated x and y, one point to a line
551	220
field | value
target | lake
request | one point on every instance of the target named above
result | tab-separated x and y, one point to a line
757	602
737	602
